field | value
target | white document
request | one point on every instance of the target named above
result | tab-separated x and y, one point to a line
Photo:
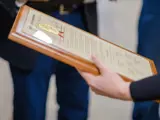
83	44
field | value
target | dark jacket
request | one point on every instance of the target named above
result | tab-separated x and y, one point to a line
151	6
14	53
19	55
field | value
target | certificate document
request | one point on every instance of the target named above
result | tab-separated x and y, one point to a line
64	37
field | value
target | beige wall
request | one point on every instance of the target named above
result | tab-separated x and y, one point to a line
118	21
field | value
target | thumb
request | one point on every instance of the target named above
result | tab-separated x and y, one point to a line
99	65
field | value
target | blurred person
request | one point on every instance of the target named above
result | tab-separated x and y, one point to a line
21	59
72	91
31	71
110	84
148	46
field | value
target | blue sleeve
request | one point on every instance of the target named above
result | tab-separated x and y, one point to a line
146	89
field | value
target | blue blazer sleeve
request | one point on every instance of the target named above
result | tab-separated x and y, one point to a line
146	89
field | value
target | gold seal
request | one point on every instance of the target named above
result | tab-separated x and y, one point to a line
48	28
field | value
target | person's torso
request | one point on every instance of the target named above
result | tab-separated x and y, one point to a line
18	55
151	6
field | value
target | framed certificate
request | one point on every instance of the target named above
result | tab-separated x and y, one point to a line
74	46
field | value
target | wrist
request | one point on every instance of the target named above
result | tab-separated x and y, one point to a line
125	92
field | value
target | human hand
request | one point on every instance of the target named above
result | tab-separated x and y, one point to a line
108	83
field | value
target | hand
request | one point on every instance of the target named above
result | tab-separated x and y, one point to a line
107	83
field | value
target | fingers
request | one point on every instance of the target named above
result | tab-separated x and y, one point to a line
98	92
100	66
89	78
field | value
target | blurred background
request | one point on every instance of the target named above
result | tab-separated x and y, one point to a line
117	23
